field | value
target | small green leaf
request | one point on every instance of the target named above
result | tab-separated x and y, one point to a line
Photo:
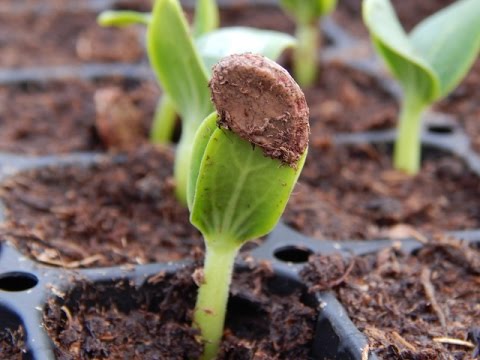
240	193
236	40
308	11
177	64
403	60
121	18
207	17
449	41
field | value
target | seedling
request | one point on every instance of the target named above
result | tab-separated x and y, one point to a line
307	15
179	65
429	63
243	172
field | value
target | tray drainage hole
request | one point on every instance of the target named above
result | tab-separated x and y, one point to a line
293	254
17	281
440	129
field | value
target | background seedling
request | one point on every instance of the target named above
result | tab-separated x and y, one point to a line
237	191
180	68
307	14
429	62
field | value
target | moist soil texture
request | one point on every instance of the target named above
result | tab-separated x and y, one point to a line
348	100
59	38
116	320
12	344
112	213
352	192
60	117
259	16
410	306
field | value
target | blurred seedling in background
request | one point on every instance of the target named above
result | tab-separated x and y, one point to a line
307	15
247	157
429	63
181	61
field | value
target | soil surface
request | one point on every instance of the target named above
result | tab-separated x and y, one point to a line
116	320
111	213
352	192
259	16
347	100
12	343
405	304
59	117
61	38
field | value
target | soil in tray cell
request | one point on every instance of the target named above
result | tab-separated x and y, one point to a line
12	345
60	117
347	100
64	38
107	214
352	192
115	320
421	306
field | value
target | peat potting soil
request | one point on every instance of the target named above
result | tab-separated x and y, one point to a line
410	306
352	192
117	320
12	344
60	117
107	214
65	38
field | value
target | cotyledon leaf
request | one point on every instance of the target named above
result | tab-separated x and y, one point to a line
449	41
240	193
200	142
218	44
176	62
405	62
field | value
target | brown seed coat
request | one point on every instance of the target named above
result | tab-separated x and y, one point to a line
258	100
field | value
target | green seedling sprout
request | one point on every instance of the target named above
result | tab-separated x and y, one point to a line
206	19
247	157
429	63
179	62
307	15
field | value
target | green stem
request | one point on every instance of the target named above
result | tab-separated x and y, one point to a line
209	316
408	143
305	54
164	119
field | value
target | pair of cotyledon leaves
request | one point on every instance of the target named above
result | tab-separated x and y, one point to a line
434	57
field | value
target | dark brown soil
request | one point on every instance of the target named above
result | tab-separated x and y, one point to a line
352	192
12	343
60	117
348	100
118	321
108	214
404	302
259	16
410	13
59	38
